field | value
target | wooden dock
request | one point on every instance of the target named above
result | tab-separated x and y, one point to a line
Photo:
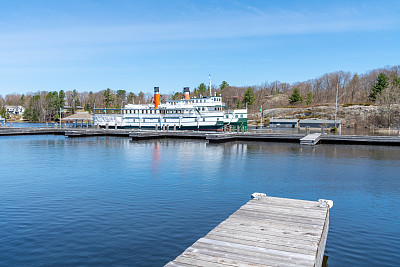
267	231
310	139
211	137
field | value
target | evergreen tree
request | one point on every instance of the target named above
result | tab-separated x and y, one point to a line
131	98
396	81
61	99
309	98
108	97
32	113
239	104
201	90
177	96
75	99
121	94
223	85
382	82
295	97
249	97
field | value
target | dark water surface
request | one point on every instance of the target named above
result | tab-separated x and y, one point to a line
111	202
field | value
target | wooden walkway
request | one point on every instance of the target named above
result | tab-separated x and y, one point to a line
267	231
310	139
211	137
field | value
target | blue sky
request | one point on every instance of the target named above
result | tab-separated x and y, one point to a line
136	45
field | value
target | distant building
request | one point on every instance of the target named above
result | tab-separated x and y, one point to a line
284	123
316	123
15	110
312	123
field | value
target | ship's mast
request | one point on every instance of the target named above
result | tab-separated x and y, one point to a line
209	78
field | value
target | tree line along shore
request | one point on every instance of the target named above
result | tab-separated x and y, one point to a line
367	100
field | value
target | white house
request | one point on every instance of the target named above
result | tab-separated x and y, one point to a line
15	110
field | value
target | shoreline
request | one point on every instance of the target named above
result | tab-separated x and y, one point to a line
211	137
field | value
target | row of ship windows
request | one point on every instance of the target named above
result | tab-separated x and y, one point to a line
236	116
152	120
152	111
156	111
197	101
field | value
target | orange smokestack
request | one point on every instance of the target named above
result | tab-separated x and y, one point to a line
156	97
186	93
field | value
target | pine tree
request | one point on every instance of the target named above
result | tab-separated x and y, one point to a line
108	97
382	81
295	97
309	98
239	104
249	97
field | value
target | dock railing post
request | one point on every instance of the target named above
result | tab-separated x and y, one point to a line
307	130
107	126
156	128
167	127
174	127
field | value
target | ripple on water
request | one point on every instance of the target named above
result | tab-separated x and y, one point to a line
107	201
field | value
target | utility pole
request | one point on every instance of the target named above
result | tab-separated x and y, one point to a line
337	91
337	98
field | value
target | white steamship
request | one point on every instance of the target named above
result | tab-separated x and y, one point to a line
207	113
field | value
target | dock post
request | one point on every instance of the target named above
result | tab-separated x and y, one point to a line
106	126
156	127
322	129
167	127
116	126
174	127
307	130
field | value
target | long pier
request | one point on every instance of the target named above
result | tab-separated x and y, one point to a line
212	137
267	231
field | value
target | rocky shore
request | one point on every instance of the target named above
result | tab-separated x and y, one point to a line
352	116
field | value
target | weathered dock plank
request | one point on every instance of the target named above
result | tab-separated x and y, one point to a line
267	231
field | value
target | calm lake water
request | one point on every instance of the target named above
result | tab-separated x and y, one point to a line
110	202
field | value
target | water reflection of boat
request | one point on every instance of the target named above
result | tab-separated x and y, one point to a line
207	113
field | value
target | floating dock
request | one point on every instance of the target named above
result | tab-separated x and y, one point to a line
310	139
267	231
